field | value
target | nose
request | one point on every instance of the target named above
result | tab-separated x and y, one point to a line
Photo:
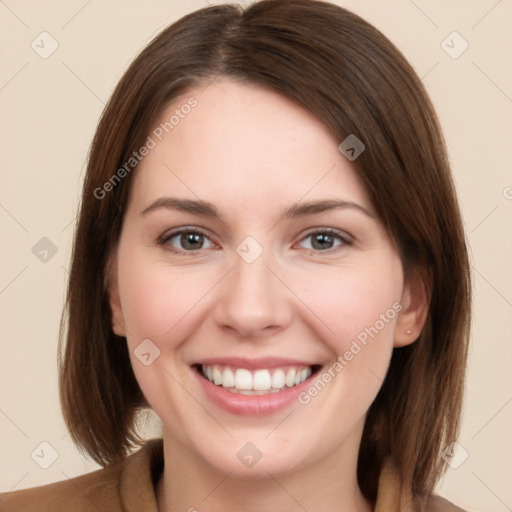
253	303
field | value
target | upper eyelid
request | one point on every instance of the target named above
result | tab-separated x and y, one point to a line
332	231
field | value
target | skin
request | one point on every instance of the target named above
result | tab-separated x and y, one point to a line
252	153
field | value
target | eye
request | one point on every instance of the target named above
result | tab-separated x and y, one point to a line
324	240
187	240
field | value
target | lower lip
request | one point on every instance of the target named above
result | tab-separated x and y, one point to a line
251	405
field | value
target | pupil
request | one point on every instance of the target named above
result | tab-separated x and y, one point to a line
322	241
191	240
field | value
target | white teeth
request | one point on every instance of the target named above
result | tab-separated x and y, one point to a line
290	378
228	379
258	382
278	379
217	376
243	379
261	380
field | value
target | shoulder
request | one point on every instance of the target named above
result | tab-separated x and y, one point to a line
91	492
394	495
111	488
438	504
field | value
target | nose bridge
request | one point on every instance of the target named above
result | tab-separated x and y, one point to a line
252	302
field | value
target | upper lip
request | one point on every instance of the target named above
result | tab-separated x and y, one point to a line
253	363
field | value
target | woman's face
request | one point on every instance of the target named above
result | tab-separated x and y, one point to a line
251	255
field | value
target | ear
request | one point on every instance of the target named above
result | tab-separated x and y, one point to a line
118	325
415	304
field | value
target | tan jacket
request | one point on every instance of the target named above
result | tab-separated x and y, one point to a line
130	487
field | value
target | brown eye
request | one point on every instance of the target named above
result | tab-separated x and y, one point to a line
324	240
188	240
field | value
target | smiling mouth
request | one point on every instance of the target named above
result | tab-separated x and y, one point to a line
256	382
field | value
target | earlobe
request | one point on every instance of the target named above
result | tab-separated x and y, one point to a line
117	318
117	313
412	317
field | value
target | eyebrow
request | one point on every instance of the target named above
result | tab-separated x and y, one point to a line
206	209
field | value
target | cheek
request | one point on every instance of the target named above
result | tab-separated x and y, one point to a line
159	304
155	298
355	303
359	307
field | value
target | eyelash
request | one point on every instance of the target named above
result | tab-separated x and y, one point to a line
344	239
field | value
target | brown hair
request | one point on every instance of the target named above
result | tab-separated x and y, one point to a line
355	81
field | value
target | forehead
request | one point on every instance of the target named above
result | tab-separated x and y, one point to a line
236	144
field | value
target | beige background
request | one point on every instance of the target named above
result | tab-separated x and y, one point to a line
49	110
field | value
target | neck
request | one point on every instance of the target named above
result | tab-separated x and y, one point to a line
328	485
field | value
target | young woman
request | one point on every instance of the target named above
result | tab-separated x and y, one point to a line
270	255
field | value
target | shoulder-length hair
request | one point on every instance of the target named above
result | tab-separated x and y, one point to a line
355	81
